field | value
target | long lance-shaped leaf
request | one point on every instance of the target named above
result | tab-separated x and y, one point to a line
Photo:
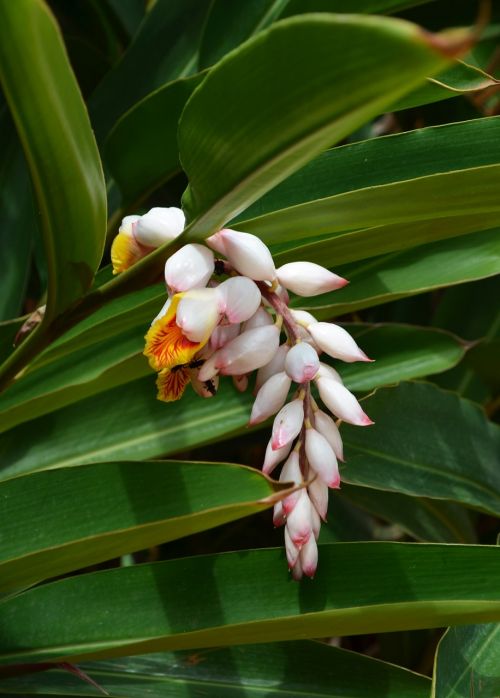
60	148
97	512
402	352
426	442
246	597
290	668
284	96
467	662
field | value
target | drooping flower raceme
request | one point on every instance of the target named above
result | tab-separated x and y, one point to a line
230	316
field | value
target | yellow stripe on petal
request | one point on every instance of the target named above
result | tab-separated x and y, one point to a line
126	251
166	346
172	384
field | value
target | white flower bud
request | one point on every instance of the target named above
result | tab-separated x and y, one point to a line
270	398
302	363
276	365
302	317
248	351
288	423
222	335
297	571
326	371
299	521
326	426
308	279
318	493
201	388
316	521
190	267
309	557
208	370
246	253
342	403
259	319
336	342
279	517
127	225
216	242
291	473
239	298
240	382
197	314
322	458
274	456
159	225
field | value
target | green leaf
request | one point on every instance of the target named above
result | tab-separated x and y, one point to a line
249	671
409	272
159	54
59	146
246	597
18	221
401	352
141	150
426	442
96	512
275	120
424	519
466	663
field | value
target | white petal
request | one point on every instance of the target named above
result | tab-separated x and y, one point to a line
308	279
239	298
159	225
197	314
318	493
190	267
336	342
299	521
270	398
222	335
248	351
248	255
326	426
302	363
342	403
322	458
276	365
274	456
259	319
309	557
292	551
288	423
127	226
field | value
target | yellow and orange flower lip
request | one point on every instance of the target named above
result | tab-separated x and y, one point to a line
171	383
166	345
126	251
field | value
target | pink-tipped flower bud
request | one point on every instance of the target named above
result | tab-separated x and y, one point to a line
288	423
239	298
291	473
197	314
296	571
316	520
302	363
326	371
240	383
326	426
322	458
336	342
276	365
308	279
246	253
303	318
292	551
248	351
270	398
318	493
309	557
274	456
190	267
342	403
259	319
209	369
222	335
159	225
205	389
279	516
299	521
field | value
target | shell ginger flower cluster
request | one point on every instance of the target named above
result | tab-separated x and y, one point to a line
229	316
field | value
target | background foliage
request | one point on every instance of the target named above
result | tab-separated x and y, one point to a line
135	541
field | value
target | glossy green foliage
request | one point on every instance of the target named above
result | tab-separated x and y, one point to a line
59	146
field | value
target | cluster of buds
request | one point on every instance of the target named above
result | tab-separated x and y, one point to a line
230	315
